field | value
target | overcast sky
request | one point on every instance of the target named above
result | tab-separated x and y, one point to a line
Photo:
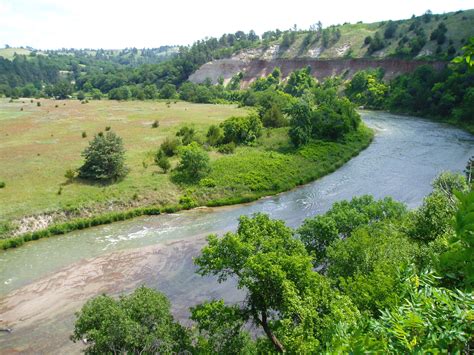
111	24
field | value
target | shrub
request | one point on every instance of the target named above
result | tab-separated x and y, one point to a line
84	134
107	128
155	124
38	104
162	161
70	174
187	135
2	184
243	130
228	148
194	163
214	135
104	158
170	146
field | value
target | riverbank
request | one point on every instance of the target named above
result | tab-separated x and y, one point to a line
243	177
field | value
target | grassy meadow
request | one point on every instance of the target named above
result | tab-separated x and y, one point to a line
39	143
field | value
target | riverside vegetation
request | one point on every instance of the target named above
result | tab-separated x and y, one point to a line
367	276
281	144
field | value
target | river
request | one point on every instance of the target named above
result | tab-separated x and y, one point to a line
43	283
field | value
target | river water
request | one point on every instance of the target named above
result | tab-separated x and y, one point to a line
44	282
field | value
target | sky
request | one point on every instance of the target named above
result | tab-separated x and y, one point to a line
113	24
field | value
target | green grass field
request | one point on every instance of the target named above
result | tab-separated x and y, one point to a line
39	143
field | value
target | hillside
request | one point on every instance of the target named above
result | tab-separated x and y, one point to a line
396	46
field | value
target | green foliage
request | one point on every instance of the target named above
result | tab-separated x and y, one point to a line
155	124
228	148
366	266
2	184
221	329
289	301
317	234
468	55
168	91
376	44
162	161
138	323
187	135
242	130
299	82
104	158
194	163
121	93
431	319
214	135
457	263
62	90
321	114
170	146
367	88
70	174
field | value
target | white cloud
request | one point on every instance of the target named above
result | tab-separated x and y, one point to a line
148	23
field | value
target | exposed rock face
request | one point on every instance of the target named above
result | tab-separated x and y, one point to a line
320	68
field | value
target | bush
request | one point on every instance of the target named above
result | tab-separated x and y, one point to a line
242	130
104	158
2	184
84	134
194	163
155	124
70	174
214	135
228	148
162	161
170	146
38	104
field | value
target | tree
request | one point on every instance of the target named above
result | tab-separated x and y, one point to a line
214	135
221	329
293	305
62	90
104	158
80	95
242	130
136	324
194	163
168	91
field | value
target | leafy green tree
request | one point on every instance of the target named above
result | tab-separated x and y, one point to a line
366	265
62	90
300	81
150	91
242	130
170	146
104	158
168	91
214	135
194	162
80	95
136	324
274	117
317	234
294	305
221	329
187	135
122	93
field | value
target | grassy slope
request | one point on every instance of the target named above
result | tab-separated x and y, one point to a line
41	143
460	27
